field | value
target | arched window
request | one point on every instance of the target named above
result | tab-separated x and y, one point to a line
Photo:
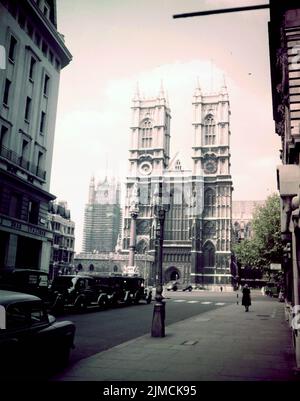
146	134
209	255
91	268
79	267
142	247
115	269
209	202
178	165
209	130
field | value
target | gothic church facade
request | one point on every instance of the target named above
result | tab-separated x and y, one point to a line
197	233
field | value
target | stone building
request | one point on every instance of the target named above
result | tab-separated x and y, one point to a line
102	216
242	215
284	40
63	228
35	53
197	246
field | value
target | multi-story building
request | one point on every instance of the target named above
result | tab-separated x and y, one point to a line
197	235
102	217
62	253
242	216
35	53
284	39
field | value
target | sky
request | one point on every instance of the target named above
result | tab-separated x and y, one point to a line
117	43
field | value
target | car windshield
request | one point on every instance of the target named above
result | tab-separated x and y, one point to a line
63	282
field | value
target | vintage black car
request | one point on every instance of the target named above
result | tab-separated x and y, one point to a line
176	285
30	339
29	281
77	291
122	289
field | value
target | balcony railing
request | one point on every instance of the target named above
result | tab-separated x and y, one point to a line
20	161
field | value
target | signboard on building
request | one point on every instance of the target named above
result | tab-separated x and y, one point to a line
275	266
130	270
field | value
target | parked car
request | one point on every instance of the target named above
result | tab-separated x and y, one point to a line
75	291
29	281
176	285
272	289
82	290
30	338
115	289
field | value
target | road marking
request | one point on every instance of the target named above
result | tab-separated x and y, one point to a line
220	303
179	300
192	302
206	303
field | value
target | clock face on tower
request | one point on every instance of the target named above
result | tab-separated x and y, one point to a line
210	166
145	168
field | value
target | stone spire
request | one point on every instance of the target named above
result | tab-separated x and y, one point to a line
92	190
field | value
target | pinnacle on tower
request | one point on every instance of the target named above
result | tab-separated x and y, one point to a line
161	94
224	87
198	91
137	92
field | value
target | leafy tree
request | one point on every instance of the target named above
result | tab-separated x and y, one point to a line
265	246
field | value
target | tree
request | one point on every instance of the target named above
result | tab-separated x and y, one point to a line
265	246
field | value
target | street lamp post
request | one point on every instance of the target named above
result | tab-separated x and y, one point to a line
158	320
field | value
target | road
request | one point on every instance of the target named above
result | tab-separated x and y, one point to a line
97	330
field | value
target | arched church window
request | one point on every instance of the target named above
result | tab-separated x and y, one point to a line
178	165
209	254
209	130
146	134
209	202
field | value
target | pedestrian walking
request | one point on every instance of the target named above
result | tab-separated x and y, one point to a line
221	288
246	299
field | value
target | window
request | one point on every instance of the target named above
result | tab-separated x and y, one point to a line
27	108
3	136
209	255
33	212
29	30
209	202
51	57
24	153
37	39
46	85
43	120
44	48
46	10
32	67
6	91
15	205
146	134
209	130
12	48
21	20
40	160
57	64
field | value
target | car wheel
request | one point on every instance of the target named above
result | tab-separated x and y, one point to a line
103	303
81	305
190	289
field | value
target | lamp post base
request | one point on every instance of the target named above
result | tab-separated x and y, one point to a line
158	320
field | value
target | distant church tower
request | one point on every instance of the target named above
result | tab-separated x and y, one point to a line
102	216
211	154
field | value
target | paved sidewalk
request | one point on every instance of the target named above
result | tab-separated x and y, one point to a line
225	344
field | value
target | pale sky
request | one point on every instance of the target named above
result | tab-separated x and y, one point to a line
116	43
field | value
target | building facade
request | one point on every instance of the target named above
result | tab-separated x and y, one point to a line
102	216
197	234
63	228
35	53
242	215
284	34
